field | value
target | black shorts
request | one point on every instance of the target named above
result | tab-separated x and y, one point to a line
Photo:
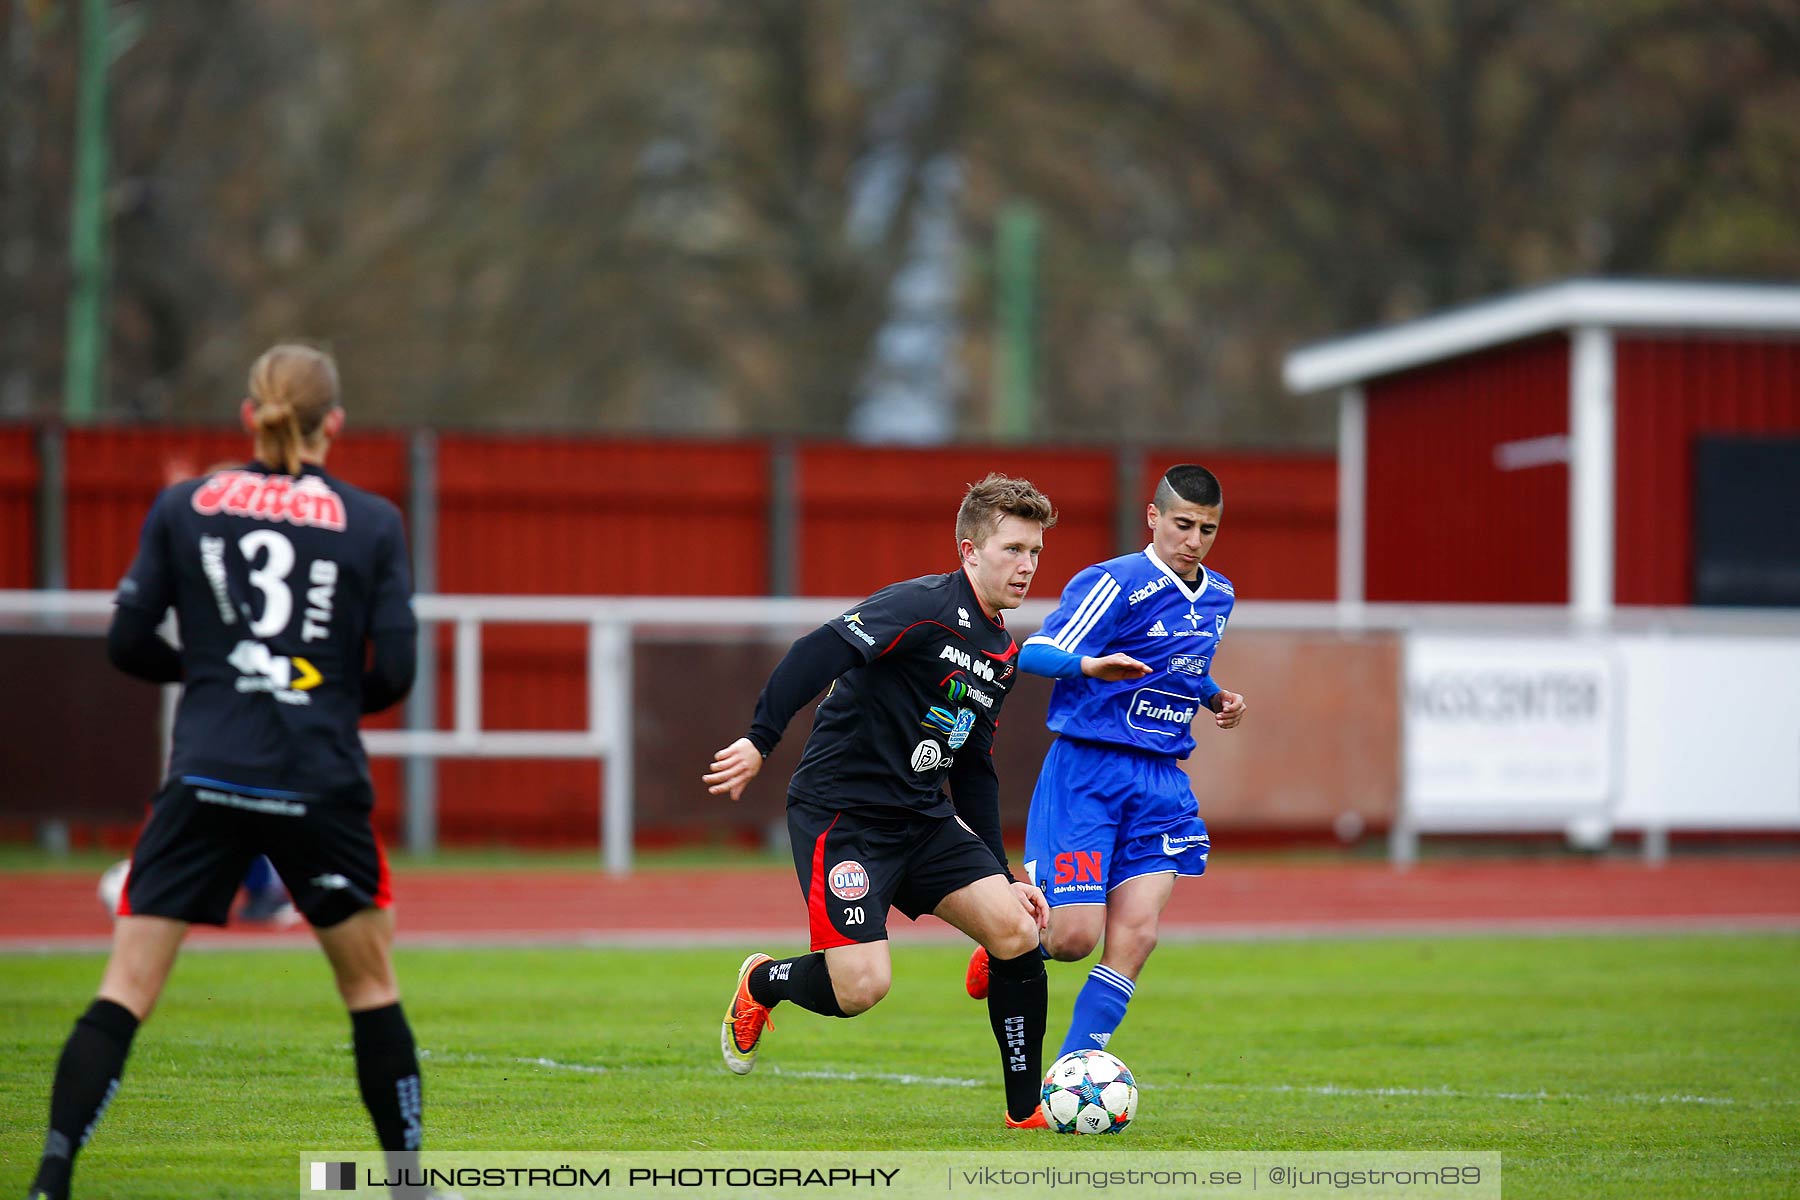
855	864
201	837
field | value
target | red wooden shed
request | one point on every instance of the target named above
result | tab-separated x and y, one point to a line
1541	447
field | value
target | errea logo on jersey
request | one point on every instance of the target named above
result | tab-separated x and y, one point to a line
303	501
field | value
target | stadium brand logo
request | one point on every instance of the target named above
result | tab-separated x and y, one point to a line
853	622
1188	664
334	1177
1148	590
926	756
304	501
848	880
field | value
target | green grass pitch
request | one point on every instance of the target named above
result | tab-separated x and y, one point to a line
1615	1066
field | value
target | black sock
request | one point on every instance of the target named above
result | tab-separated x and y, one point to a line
805	980
87	1076
1018	999
387	1072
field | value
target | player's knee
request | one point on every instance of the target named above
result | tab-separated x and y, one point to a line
858	991
1070	941
1021	937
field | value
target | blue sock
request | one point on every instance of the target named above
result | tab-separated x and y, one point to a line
1099	1008
258	878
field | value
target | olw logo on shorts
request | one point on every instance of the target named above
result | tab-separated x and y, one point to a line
848	880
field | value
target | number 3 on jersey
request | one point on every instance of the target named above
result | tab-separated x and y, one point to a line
270	577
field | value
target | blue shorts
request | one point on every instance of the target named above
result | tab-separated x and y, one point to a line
1101	815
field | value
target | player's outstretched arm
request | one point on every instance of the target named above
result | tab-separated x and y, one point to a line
1228	709
733	768
1042	658
1114	668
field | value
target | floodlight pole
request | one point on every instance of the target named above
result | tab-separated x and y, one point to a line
86	336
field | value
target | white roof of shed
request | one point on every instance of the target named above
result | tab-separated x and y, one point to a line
1614	304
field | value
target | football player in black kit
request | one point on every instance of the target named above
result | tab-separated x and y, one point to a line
295	609
917	674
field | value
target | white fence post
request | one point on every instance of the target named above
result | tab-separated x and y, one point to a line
610	684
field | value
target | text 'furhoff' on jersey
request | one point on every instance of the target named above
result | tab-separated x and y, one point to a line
1135	604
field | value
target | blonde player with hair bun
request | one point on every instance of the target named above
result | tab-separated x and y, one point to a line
295	606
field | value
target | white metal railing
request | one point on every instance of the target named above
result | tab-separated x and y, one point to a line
613	624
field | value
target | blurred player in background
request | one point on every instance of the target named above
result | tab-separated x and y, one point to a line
1113	820
917	674
295	609
266	901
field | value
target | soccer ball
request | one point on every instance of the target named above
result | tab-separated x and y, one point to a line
112	885
1089	1091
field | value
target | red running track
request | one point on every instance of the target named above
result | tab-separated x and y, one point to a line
670	907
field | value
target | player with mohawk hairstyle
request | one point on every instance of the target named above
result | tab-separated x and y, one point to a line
1113	820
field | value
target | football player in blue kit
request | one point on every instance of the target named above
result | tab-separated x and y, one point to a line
917	673
295	607
1113	819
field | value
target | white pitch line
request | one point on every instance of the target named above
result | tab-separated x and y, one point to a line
1329	1089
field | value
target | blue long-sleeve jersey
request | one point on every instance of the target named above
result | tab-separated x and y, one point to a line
1137	605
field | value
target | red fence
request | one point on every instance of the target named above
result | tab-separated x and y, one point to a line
19	476
601	516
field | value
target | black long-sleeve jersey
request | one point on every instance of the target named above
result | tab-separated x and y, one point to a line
280	583
916	707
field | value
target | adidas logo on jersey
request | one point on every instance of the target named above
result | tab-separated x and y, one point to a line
1157	630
